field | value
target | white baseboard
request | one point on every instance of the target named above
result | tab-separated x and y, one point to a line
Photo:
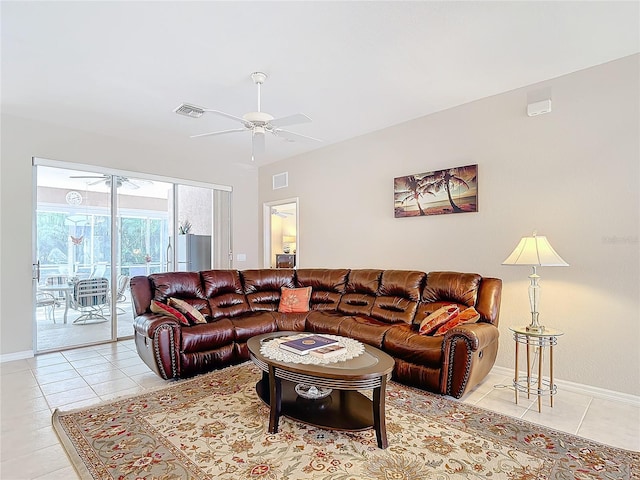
10	357
582	389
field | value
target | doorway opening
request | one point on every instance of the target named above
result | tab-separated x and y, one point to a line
281	234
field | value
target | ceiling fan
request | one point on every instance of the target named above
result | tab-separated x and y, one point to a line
121	181
258	123
280	214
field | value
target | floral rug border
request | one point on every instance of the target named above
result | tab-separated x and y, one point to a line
563	455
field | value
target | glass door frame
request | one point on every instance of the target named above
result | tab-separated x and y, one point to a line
114	226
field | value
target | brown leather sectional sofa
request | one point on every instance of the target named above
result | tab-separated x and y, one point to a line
380	307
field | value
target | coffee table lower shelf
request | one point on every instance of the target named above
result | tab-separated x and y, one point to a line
346	410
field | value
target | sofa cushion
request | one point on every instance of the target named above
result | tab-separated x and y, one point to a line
327	286
189	311
208	336
360	293
365	329
290	322
164	309
398	296
402	341
262	287
252	324
452	287
438	318
320	321
176	284
224	290
469	315
294	300
218	282
228	305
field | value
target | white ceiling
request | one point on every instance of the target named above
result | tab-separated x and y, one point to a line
120	68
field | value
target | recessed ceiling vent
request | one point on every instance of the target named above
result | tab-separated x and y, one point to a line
189	110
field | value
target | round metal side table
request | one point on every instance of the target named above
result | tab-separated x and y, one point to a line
535	385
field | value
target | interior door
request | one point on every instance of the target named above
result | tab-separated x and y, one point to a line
281	238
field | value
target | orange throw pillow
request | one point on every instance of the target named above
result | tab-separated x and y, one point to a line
189	311
164	309
438	318
469	315
294	300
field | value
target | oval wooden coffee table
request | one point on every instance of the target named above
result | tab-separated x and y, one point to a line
345	408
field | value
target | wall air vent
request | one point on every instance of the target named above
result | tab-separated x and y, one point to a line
189	110
280	180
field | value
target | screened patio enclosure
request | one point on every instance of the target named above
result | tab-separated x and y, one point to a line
97	224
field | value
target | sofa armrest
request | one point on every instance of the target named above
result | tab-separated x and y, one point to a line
157	339
148	323
476	334
469	352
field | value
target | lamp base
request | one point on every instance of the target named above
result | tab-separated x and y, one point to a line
535	328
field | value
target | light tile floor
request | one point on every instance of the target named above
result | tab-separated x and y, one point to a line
31	389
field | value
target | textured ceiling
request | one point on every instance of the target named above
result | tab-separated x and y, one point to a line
120	68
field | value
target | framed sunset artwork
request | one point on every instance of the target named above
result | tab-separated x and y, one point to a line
453	190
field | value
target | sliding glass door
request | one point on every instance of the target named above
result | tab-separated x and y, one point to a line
94	231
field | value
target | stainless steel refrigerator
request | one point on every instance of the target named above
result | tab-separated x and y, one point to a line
194	252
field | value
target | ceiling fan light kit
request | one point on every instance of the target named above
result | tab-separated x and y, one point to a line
259	123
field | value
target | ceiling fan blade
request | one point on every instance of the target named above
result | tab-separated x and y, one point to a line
228	115
98	181
88	176
221	132
290	120
292	137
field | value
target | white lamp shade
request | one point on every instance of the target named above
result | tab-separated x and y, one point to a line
535	251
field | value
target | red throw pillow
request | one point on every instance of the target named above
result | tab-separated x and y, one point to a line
469	315
189	311
164	309
438	318
294	300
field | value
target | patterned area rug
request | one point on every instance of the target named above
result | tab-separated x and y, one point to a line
215	427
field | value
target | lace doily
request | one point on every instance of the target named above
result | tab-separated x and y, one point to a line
271	349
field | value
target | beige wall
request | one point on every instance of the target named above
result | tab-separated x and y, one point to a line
572	174
23	139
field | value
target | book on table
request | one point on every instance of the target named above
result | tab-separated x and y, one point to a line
328	351
306	344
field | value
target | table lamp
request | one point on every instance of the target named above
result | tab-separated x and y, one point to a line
287	240
535	251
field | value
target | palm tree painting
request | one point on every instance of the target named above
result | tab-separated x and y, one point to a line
454	190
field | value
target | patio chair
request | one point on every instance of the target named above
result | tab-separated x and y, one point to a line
49	302
121	288
90	296
57	280
99	270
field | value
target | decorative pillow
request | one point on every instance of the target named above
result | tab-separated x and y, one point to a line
438	318
294	300
164	309
189	311
469	315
